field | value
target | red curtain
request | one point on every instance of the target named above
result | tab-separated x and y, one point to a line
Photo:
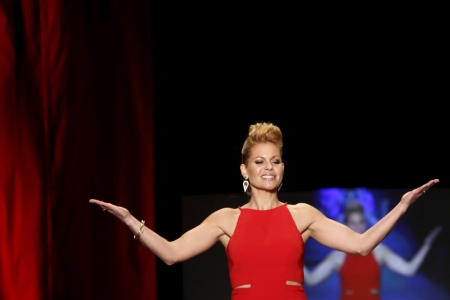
76	122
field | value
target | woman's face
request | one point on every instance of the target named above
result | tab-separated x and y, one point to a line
264	168
357	222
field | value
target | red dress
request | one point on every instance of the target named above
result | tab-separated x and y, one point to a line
265	251
360	277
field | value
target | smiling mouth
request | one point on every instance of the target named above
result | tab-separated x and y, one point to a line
267	177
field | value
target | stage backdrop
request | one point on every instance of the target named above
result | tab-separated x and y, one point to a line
76	122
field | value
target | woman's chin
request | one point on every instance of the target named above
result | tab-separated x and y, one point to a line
270	190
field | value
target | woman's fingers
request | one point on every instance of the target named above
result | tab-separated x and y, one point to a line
95	201
427	185
411	196
103	205
421	190
118	211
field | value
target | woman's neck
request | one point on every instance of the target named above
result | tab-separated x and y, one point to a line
263	200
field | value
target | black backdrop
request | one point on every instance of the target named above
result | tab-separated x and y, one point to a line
359	93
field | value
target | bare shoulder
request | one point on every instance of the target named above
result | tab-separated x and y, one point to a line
303	215
223	215
302	210
227	211
300	207
225	219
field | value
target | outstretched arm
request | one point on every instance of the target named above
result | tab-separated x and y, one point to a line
193	242
338	236
408	268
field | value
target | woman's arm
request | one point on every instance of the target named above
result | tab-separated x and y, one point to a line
193	242
338	236
333	261
408	268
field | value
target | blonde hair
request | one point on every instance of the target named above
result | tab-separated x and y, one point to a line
260	133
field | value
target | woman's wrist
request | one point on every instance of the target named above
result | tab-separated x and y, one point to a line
403	207
130	221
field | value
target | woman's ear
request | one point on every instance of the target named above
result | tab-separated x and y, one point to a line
244	171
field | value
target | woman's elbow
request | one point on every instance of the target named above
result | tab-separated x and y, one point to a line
365	252
170	262
170	256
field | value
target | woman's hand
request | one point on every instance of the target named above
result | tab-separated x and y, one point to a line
432	235
411	196
120	212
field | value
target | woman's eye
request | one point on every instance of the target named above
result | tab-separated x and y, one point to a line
276	162
258	162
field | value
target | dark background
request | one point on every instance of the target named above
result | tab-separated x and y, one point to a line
359	93
140	103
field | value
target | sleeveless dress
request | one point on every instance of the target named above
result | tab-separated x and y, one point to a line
265	251
360	277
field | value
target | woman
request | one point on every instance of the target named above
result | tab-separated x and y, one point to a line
264	239
360	275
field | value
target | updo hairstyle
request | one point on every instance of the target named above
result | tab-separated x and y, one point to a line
260	133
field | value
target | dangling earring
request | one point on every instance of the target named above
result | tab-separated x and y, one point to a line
280	186
245	184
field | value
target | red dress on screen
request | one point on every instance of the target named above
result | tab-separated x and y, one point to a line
360	277
265	251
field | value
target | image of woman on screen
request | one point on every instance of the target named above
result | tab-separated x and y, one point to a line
360	275
264	238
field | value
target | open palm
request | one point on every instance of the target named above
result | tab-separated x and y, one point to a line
411	196
118	211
